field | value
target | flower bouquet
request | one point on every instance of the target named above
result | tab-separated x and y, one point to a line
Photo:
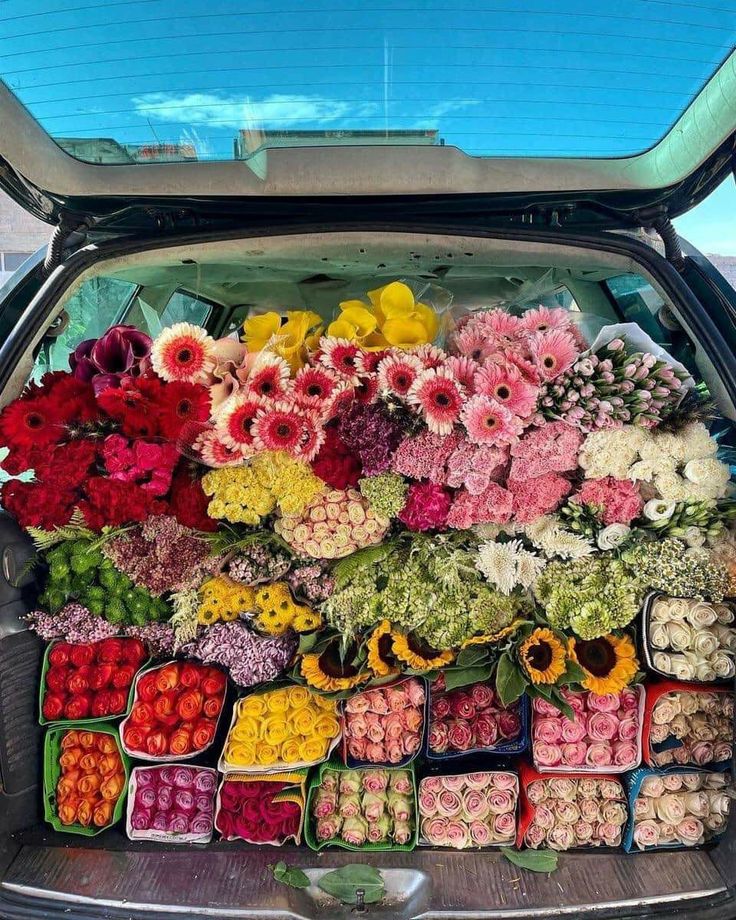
363	809
384	726
176	709
468	810
603	737
689	639
676	807
265	809
85	778
89	682
472	719
571	811
687	724
284	729
172	803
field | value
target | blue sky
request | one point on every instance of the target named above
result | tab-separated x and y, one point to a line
526	77
711	226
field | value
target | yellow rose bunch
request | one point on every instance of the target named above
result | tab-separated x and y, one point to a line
286	726
271	480
221	598
278	611
292	339
393	317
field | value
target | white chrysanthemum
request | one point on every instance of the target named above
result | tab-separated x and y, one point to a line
497	563
697	442
610	452
548	536
528	568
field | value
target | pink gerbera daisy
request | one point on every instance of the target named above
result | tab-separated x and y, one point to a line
439	397
527	368
542	319
463	369
340	356
553	352
430	355
214	452
367	361
506	385
367	390
473	343
279	426
502	323
314	385
269	378
183	352
397	373
313	437
488	422
235	421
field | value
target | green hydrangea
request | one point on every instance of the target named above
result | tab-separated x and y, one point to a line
79	571
667	566
386	493
591	596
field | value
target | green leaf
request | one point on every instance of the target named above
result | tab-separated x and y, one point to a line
472	655
461	677
307	642
574	674
510	682
343	883
533	860
290	875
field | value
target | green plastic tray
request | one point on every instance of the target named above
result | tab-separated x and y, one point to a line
92	720
340	767
52	772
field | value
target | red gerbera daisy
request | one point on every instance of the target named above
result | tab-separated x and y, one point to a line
313	437
269	378
368	361
181	404
134	405
29	423
279	426
314	385
214	452
342	357
367	390
397	373
439	397
183	352
235	422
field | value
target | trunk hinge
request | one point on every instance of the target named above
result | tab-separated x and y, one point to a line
58	243
666	229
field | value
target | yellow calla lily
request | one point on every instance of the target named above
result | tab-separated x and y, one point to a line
396	299
342	328
292	340
259	330
394	317
405	332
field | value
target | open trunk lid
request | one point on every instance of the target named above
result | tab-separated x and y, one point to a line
132	114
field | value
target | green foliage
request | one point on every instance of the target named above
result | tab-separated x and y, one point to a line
344	883
533	860
290	875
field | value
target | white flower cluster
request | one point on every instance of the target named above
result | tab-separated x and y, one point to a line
506	565
679	467
547	534
694	640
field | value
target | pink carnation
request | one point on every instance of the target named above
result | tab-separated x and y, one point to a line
551	448
427	506
475	467
493	506
535	497
618	499
425	456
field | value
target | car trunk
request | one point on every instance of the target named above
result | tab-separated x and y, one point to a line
43	873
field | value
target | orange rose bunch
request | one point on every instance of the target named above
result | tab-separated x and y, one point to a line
92	778
175	711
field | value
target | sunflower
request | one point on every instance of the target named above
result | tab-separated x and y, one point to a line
327	671
492	638
379	644
609	662
543	656
414	652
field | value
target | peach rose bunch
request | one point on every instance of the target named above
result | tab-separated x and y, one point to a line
92	778
681	809
688	727
281	727
568	813
468	810
384	725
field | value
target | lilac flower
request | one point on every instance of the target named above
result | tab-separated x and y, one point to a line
73	622
250	659
257	564
157	637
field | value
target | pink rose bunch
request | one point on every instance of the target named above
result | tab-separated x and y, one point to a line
691	727
385	725
470	718
173	799
603	737
468	810
369	806
680	809
568	813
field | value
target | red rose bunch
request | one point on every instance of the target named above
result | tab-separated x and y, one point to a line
175	710
90	680
469	719
248	811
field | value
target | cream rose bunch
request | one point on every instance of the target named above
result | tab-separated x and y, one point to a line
689	727
468	810
570	813
691	639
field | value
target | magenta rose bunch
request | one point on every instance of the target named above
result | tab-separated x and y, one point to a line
385	725
680	809
604	736
469	719
468	810
251	810
367	806
175	802
691	727
572	812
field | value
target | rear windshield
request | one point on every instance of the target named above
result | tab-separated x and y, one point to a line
147	82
